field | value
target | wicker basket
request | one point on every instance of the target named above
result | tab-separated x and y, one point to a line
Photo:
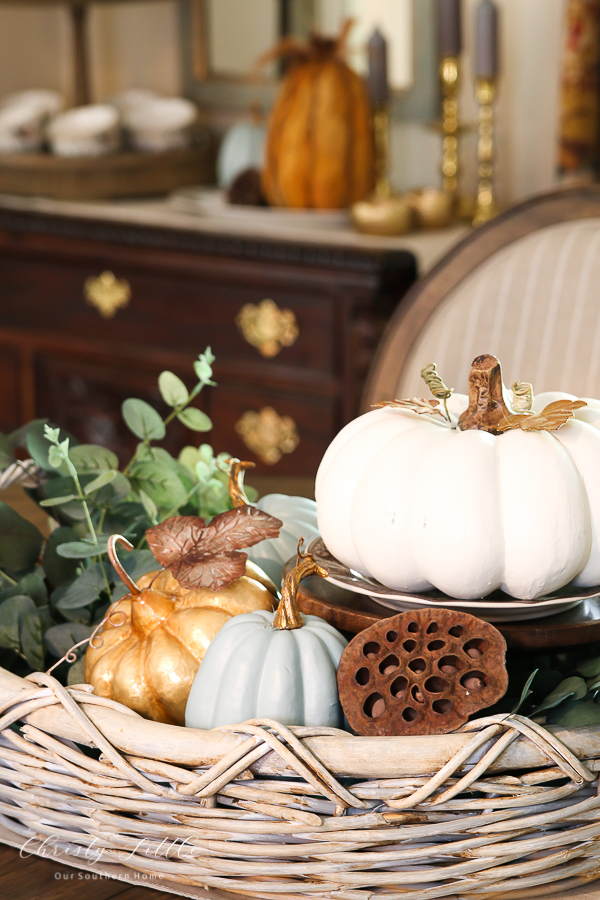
501	808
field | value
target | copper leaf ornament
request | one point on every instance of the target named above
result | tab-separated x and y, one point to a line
201	555
551	418
416	404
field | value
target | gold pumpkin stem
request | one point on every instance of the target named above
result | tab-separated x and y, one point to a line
236	471
288	616
113	540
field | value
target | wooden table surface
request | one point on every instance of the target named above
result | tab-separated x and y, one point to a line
35	878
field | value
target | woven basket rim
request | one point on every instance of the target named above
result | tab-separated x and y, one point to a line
339	749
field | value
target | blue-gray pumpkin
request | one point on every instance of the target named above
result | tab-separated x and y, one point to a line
280	666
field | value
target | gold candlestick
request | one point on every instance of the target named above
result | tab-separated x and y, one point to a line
485	90
449	79
383	212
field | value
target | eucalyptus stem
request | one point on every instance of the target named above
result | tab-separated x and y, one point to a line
7	577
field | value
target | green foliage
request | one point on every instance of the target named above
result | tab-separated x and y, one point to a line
51	602
143	420
20	541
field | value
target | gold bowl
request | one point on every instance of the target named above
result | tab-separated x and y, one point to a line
383	215
432	207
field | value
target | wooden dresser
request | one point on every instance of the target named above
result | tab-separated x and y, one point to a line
185	287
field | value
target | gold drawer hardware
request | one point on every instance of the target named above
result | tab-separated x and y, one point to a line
268	434
107	293
267	327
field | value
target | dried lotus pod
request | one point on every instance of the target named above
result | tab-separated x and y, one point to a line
422	672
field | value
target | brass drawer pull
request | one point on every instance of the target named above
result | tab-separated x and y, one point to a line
267	327
107	293
268	434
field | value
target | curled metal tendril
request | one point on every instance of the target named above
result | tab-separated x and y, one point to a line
94	640
433	380
522	393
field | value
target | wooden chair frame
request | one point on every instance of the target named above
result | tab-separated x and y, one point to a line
427	293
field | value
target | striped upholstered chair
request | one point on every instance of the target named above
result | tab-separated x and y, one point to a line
526	288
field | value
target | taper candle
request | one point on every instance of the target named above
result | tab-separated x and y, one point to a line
486	43
449	28
378	77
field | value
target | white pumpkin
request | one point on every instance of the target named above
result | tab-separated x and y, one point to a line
280	666
299	517
407	500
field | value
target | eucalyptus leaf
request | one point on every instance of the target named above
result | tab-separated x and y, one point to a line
114	492
172	389
203	367
18	438
58	569
575	713
20	541
150	506
60	638
85	589
145	452
13	613
60	489
143	420
161	485
190	457
58	501
590	668
34	586
93	458
39	447
573	688
7	457
526	692
32	640
81	549
194	419
82	615
101	481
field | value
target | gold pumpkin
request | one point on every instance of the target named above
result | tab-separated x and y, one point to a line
319	149
148	658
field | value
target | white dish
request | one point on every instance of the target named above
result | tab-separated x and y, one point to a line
85	131
213	202
496	607
23	118
126	101
159	124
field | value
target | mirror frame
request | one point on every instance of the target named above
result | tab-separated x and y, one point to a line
227	94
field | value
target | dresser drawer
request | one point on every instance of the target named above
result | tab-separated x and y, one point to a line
155	308
283	433
84	395
11	407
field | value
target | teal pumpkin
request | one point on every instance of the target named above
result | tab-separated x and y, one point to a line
280	666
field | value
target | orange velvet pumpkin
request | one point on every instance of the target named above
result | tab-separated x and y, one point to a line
319	150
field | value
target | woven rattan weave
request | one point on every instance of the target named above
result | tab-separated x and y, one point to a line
251	808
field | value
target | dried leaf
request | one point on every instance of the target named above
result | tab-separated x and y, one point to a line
201	555
417	404
551	418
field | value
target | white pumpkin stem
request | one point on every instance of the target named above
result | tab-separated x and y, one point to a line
113	540
236	469
487	410
288	615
